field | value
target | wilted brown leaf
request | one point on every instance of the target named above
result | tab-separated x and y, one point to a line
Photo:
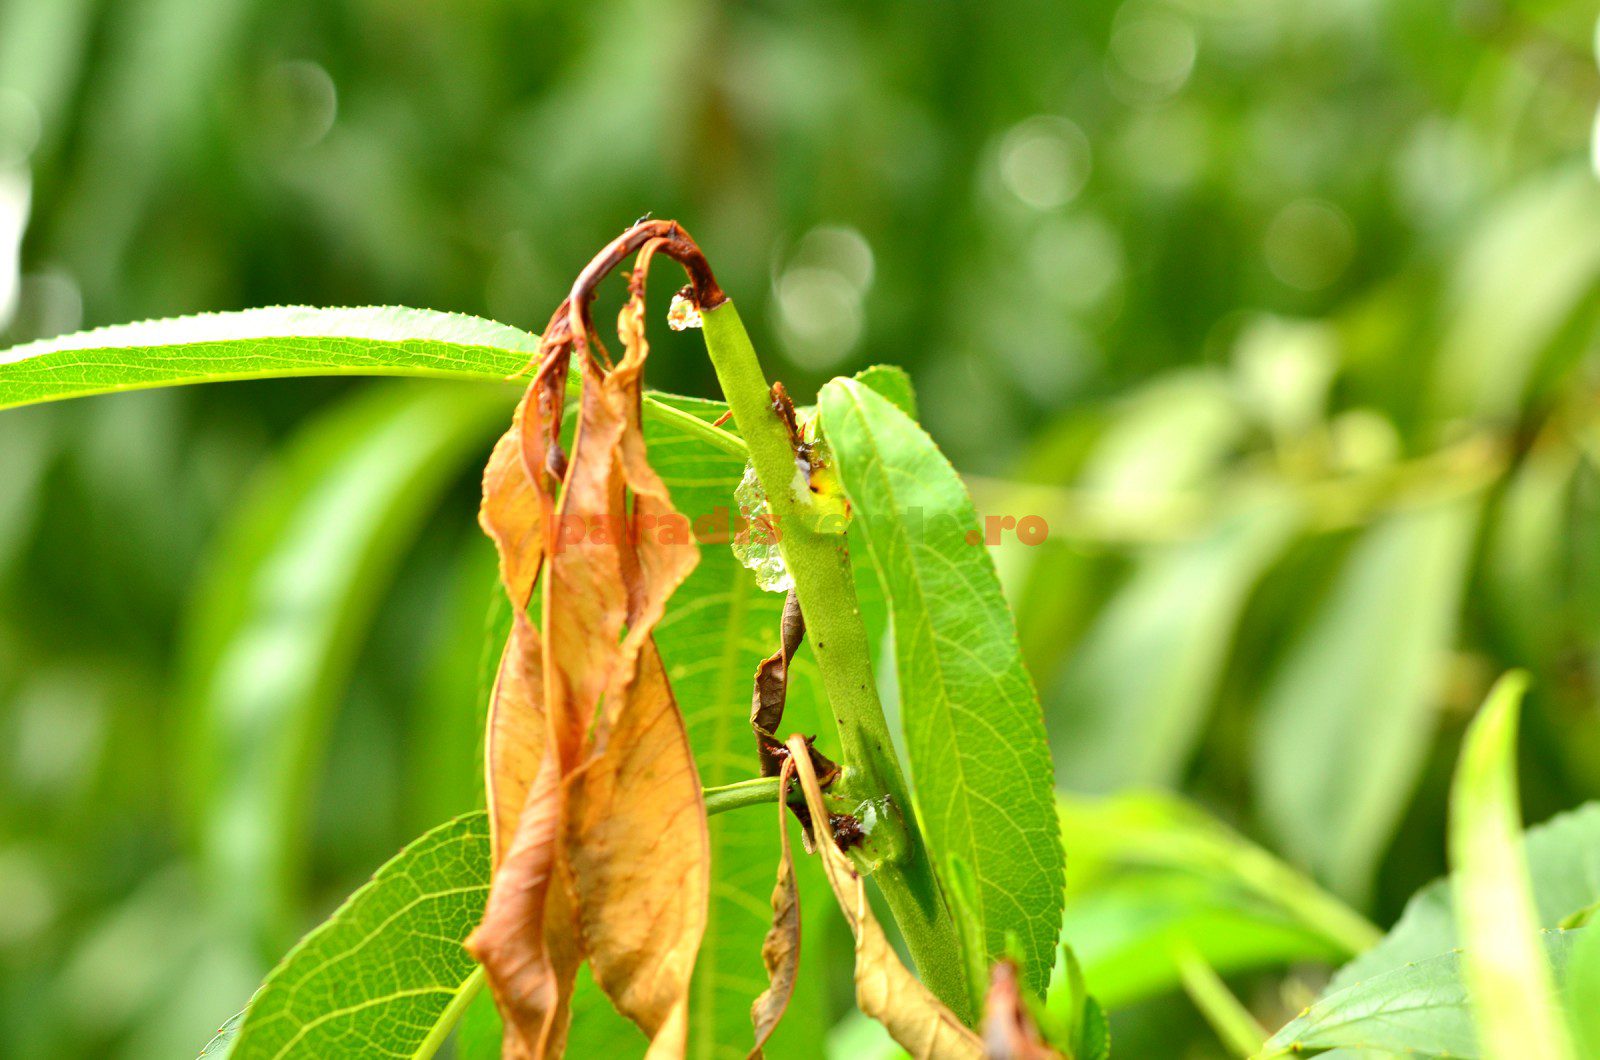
780	951
772	686
1009	1032
885	989
601	847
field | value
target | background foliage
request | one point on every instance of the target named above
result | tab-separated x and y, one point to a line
1281	315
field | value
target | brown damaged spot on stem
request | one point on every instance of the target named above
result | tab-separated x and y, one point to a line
885	989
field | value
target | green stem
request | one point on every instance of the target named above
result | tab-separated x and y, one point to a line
450	1016
820	565
1231	1021
744	793
688	423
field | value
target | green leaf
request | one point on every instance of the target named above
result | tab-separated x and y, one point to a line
1563	856
1131	702
1511	985
1583	992
1151	872
386	973
892	382
974	735
262	344
1417	1010
278	619
1348	717
1500	327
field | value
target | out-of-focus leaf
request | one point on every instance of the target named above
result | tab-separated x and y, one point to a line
974	735
1525	577
1563	856
892	382
1347	718
386	973
1130	704
1150	872
278	618
885	989
1421	1009
1498	325
1583	992
1514	1003
262	344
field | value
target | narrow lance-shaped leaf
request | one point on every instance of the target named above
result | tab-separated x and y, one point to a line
262	344
1347	719
278	619
974	734
1514	1002
885	989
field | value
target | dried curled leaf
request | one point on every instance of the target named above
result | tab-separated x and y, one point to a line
885	989
772	686
1009	1032
780	951
601	850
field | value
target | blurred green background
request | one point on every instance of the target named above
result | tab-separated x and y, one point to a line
1282	315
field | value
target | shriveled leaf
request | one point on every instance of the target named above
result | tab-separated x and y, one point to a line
1009	1032
718	625
386	972
1347	719
609	860
885	989
1421	1009
780	951
1513	993
975	737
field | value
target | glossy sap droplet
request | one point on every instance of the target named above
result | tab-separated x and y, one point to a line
683	313
755	545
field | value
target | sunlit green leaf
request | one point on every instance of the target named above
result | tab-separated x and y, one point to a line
386	973
262	344
1420	1010
1563	856
1513	995
974	735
